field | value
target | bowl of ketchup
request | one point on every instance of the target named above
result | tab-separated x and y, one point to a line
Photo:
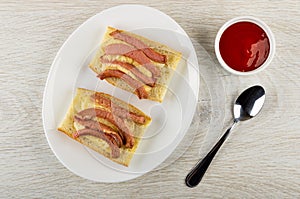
245	45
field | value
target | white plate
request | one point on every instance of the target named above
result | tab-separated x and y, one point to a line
171	119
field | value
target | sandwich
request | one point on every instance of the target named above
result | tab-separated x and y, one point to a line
105	124
135	64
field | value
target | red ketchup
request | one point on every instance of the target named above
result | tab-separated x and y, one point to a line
244	46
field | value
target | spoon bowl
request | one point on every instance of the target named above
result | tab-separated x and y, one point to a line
249	103
246	106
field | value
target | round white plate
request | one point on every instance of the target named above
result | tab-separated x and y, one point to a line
171	119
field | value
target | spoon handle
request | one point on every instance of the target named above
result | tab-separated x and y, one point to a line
196	174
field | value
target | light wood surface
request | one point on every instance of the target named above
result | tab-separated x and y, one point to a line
261	159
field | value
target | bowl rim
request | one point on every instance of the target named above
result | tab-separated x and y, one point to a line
262	25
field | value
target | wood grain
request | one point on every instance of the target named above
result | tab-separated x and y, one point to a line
260	160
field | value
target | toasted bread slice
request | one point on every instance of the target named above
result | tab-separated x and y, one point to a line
77	121
147	60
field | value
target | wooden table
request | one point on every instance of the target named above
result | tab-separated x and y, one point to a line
260	160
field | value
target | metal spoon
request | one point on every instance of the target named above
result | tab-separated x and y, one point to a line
247	105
